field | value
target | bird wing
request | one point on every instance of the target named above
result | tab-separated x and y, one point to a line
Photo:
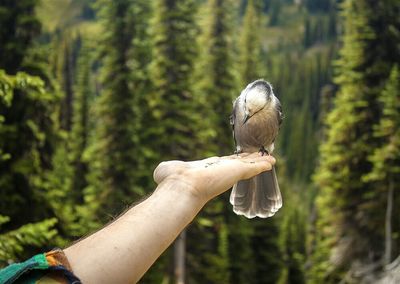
232	122
279	113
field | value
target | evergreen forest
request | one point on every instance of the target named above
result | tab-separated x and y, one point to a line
94	94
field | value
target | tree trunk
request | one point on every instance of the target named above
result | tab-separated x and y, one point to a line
179	258
388	224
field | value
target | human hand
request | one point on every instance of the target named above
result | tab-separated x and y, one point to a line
210	177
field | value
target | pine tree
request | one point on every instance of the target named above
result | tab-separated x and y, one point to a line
74	208
115	152
293	233
216	76
242	264
27	132
19	27
140	59
250	46
307	31
348	204
215	89
386	161
274	12
27	139
66	78
68	178
301	122
266	250
79	136
172	100
173	122
332	22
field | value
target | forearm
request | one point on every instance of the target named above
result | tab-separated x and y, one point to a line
123	251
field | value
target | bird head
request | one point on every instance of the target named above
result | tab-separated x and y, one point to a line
257	95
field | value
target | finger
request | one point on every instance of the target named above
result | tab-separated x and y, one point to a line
253	168
256	158
211	159
249	155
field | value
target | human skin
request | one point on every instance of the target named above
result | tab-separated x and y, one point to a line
124	250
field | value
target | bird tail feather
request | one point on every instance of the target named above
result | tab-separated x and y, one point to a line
258	196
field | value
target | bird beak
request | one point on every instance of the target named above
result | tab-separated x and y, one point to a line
246	118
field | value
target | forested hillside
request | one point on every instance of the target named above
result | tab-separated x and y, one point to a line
95	93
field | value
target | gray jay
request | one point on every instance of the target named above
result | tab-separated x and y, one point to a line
255	120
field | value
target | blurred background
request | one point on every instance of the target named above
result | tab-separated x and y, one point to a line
94	94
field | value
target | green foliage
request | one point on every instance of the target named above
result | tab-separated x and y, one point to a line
173	98
250	46
208	249
293	244
66	77
214	88
242	264
116	148
139	62
319	28
60	15
14	244
350	215
172	121
266	250
26	121
216	79
19	26
68	179
79	136
318	5
165	92
386	158
275	12
306	75
28	134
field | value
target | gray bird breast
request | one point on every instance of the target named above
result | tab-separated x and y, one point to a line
260	130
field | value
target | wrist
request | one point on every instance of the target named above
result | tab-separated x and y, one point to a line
180	189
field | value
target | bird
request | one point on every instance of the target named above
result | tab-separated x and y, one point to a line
256	119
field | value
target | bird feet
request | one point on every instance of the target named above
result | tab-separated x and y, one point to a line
238	150
263	151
